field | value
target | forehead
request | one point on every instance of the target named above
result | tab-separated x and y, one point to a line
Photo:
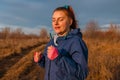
59	13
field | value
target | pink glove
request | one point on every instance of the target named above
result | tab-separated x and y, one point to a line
37	56
52	52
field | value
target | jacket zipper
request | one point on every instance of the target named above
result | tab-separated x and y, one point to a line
49	71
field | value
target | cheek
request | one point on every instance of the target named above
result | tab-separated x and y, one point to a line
64	24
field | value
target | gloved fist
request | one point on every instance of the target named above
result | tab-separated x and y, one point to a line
37	56
52	52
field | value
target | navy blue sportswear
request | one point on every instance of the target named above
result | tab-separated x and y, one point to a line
71	63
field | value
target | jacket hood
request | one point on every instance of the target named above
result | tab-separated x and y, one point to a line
73	32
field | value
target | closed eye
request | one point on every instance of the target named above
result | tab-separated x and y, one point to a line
61	19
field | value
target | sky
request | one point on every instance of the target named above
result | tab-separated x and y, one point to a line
32	15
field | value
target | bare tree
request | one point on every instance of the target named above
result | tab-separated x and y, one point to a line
113	31
43	33
91	29
5	32
17	33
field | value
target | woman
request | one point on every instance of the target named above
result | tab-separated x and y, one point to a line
65	56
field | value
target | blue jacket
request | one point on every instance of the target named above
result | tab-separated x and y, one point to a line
71	64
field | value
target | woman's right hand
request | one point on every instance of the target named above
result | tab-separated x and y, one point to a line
37	56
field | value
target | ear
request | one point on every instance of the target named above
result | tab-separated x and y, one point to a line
71	21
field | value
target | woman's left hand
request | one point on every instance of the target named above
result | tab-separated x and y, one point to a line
52	52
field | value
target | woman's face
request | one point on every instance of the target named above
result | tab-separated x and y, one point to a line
61	23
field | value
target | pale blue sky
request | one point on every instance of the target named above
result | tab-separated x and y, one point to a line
34	14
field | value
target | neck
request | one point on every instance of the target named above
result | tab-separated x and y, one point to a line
63	33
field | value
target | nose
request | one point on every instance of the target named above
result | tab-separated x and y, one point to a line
56	22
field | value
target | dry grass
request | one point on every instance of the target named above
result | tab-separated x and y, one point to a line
14	66
20	68
104	58
12	47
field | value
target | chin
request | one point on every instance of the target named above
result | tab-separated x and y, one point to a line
57	32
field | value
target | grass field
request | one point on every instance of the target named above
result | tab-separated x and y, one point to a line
16	59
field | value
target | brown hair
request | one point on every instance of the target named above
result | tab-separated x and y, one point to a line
70	13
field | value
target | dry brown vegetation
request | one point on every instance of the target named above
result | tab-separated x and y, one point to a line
15	63
104	59
16	55
104	52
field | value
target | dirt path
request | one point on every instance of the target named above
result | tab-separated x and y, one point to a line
9	61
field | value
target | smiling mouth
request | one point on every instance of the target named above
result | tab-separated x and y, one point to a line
57	28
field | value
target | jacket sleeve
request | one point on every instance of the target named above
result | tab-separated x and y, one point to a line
78	56
41	62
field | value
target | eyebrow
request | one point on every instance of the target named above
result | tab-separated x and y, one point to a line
58	17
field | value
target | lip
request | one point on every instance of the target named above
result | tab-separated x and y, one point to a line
57	27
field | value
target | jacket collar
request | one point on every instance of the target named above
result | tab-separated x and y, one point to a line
73	32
